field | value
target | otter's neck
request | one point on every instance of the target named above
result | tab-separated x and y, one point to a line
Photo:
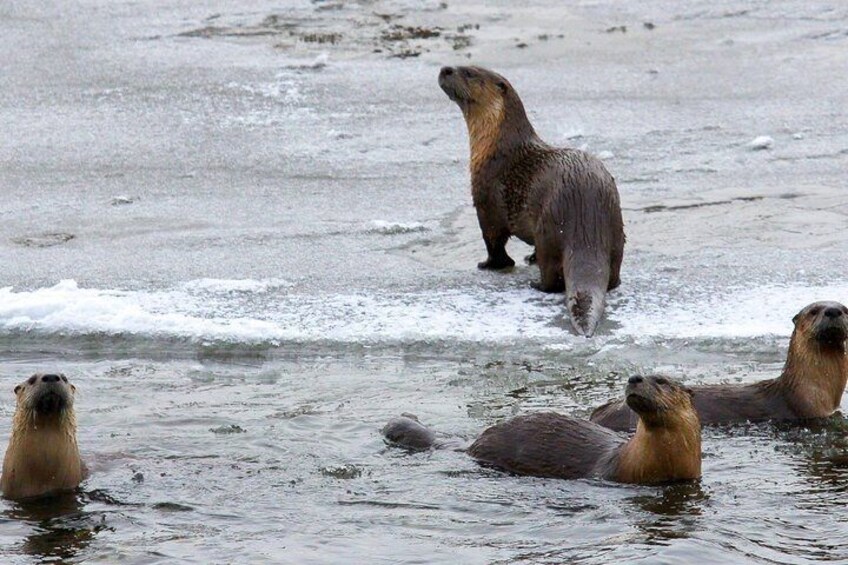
813	378
42	456
27	423
48	436
661	454
499	126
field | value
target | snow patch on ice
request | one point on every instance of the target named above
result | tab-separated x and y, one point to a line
67	308
320	61
393	228
269	311
189	312
228	286
571	133
283	89
745	312
760	143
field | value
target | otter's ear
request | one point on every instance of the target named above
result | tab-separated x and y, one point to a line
18	389
73	389
502	86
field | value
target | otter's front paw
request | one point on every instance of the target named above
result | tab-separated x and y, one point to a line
530	259
495	264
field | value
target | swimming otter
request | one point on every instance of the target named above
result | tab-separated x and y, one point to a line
810	386
408	432
42	457
563	201
666	445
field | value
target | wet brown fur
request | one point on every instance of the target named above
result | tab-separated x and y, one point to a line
43	456
810	386
667	442
666	446
563	201
484	122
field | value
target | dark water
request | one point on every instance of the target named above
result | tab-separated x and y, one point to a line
280	460
245	234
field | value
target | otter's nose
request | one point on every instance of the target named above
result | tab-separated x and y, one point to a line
832	312
446	72
635	380
50	378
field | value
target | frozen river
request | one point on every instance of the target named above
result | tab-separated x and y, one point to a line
246	235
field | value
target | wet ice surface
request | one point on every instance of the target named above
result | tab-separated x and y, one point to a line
247	237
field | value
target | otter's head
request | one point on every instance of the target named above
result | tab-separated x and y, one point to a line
660	401
493	111
822	324
44	396
475	87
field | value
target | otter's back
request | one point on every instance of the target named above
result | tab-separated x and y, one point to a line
719	404
546	445
715	404
579	188
615	415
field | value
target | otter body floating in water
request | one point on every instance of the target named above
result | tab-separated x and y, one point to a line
563	201
810	386
666	446
42	457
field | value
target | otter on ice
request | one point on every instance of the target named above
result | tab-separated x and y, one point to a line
563	201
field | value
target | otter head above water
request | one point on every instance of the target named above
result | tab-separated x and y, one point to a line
667	442
825	323
43	456
659	401
46	395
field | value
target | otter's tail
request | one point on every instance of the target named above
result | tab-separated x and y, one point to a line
586	283
406	431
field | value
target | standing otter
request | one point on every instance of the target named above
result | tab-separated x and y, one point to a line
810	386
666	445
563	201
42	457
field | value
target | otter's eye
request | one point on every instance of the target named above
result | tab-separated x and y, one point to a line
18	389
815	311
64	378
466	73
32	380
662	381
502	86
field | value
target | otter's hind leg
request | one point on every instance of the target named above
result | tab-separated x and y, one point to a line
550	269
615	267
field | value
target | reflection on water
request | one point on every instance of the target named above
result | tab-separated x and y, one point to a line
60	528
821	451
671	513
684	498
